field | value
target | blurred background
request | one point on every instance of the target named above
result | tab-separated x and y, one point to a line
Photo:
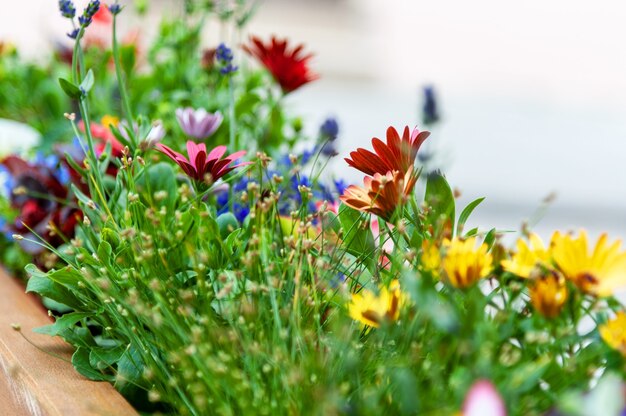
531	95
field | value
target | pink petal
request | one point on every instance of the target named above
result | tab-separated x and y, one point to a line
175	156
483	400
216	153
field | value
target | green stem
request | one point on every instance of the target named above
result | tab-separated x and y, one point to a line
121	85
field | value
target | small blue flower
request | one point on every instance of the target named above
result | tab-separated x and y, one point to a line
340	186
7	183
73	34
115	9
224	56
329	130
430	113
67	8
89	12
84	21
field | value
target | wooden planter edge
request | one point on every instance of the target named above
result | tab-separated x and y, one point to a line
35	383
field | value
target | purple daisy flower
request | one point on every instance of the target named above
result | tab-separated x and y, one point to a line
199	123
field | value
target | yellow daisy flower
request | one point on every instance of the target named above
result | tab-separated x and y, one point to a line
527	257
108	121
464	264
372	309
613	332
430	261
548	293
598	271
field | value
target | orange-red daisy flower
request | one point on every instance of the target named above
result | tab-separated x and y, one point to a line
381	194
398	154
289	67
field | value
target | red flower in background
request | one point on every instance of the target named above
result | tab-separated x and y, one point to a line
200	163
103	15
42	202
398	154
289	67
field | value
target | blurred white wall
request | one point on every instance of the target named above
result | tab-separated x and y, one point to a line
533	93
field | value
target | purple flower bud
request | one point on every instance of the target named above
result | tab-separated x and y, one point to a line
155	135
199	123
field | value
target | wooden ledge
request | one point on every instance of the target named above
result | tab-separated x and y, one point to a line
35	383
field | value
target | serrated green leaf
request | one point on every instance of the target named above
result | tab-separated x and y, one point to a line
80	361
102	358
61	324
49	289
66	276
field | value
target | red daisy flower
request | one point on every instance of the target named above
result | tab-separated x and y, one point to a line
200	163
289	67
382	194
398	154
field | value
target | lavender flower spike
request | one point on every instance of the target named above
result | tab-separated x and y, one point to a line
199	123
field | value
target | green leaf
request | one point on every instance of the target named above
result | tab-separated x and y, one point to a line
102	358
66	276
359	241
160	178
227	223
70	160
490	238
43	286
80	361
467	211
129	369
88	82
105	252
440	200
128	53
80	195
61	324
70	89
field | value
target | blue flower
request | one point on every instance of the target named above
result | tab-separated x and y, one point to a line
329	130
115	9
89	12
224	56
67	8
7	183
430	113
73	34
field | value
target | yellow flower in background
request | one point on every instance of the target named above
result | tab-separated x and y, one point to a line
430	260
373	309
6	48
613	332
598	271
527	257
294	228
548	293
464	264
108	121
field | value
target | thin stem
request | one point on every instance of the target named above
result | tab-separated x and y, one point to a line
121	85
